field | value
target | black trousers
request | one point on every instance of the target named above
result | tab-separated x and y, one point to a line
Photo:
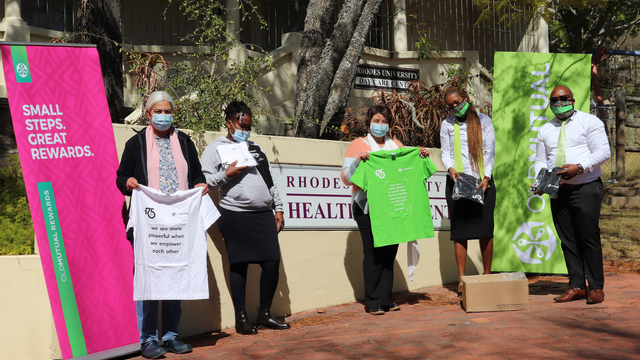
576	214
377	265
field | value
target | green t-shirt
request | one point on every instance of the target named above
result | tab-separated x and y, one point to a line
394	181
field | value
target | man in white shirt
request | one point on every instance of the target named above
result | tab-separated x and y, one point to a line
576	210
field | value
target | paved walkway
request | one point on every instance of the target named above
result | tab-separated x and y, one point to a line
432	325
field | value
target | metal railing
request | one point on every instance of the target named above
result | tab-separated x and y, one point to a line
631	138
449	24
57	15
609	121
450	27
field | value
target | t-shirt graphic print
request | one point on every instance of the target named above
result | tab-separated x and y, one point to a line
170	243
395	183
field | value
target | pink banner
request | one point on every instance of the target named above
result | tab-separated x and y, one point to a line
68	155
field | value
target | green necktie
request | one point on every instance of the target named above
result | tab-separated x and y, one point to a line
457	147
561	150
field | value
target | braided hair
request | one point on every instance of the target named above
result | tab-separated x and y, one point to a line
474	128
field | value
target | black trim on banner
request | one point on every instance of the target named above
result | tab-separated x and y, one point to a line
20	43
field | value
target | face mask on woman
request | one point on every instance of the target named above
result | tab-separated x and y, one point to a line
240	135
562	109
461	109
379	130
162	122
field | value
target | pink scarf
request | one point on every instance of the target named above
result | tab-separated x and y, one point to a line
153	160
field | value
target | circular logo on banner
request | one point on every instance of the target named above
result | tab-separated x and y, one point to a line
22	70
534	242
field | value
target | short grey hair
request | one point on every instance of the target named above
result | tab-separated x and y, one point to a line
157	97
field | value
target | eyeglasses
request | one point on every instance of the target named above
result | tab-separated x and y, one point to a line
555	99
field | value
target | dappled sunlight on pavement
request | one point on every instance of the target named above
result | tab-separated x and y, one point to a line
432	325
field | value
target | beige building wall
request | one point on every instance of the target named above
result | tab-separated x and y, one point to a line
26	318
282	80
319	268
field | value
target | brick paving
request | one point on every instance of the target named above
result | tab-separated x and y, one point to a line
432	325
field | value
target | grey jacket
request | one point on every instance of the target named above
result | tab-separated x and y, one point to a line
245	192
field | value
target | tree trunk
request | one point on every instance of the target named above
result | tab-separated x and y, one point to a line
317	92
99	22
317	27
343	80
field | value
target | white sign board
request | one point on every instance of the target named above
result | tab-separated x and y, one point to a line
315	198
437	199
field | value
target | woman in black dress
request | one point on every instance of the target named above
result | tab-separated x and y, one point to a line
468	145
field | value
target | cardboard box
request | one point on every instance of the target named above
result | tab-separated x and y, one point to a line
495	292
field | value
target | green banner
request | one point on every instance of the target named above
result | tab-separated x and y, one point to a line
61	269
525	237
21	64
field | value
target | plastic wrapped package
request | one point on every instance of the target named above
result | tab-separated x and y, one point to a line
510	276
547	181
465	188
505	276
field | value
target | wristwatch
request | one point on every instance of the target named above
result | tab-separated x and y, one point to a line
580	170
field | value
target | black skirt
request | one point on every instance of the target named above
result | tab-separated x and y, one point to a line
250	236
469	219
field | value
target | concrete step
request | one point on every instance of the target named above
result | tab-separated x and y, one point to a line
618	196
623	191
621	201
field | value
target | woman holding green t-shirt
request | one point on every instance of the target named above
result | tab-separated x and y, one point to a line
377	263
468	145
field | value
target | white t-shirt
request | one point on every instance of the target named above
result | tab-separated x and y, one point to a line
170	243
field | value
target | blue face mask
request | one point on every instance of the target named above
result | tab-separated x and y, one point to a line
379	130
240	135
162	122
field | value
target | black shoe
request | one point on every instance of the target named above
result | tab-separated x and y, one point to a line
392	307
151	350
265	319
374	310
177	347
243	326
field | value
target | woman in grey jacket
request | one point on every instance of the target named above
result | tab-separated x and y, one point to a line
248	198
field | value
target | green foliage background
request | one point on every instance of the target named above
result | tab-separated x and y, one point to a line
208	78
16	227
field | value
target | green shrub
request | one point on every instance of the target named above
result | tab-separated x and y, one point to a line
16	227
